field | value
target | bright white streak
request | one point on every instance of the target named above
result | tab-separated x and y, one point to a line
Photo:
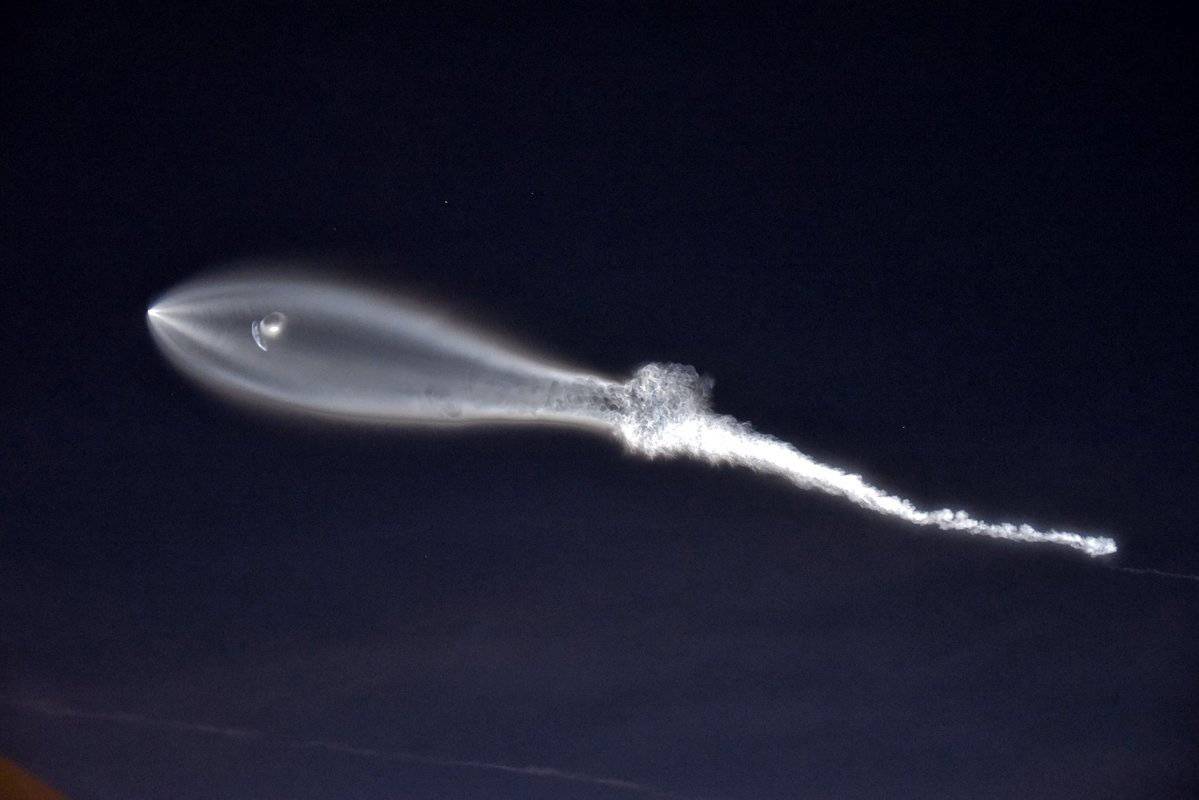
315	346
673	418
670	416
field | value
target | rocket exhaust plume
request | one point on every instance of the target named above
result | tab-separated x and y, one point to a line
316	346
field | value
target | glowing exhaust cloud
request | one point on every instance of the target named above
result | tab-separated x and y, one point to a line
315	346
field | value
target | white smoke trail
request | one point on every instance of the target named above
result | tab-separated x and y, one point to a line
158	723
668	413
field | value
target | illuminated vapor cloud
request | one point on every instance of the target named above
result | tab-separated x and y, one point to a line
316	346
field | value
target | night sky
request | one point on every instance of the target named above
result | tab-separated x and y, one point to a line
952	251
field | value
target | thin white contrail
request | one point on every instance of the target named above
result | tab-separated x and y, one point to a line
243	734
530	770
137	720
1159	573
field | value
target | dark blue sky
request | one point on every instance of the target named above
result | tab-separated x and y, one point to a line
953	251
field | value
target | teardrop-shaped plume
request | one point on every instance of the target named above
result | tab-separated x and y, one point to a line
318	346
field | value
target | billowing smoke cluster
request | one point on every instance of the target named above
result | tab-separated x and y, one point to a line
657	401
